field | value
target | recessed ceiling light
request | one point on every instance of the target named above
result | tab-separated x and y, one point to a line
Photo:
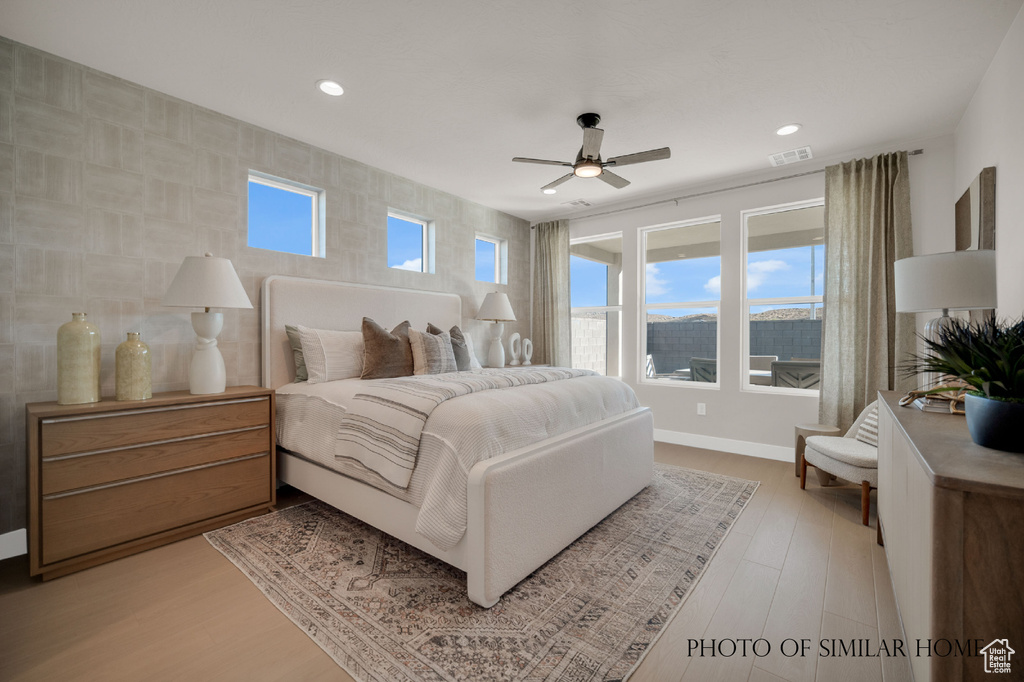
788	129
550	190
330	88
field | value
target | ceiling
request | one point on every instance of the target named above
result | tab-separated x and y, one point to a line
447	92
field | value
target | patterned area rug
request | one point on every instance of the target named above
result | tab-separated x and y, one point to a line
386	611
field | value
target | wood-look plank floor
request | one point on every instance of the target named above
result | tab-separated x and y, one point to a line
796	565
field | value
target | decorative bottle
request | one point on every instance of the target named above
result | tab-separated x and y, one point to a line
133	370
78	362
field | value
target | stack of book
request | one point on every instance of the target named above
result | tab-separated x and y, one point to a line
929	404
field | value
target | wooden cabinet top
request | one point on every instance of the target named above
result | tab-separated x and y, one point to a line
108	404
950	458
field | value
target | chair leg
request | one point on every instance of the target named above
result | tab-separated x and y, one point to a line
865	502
803	472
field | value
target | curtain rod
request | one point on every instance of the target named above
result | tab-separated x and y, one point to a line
712	191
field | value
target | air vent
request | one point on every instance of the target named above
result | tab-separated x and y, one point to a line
792	156
578	203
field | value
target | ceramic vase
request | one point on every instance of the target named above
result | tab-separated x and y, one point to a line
133	370
527	351
78	362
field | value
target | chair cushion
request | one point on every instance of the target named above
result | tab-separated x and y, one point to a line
847	450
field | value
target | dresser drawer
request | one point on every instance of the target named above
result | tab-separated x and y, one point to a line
94	519
67	435
61	473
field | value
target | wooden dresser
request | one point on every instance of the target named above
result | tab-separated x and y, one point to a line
112	478
952	515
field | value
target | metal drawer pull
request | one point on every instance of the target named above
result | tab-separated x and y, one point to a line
171	408
74	455
150	477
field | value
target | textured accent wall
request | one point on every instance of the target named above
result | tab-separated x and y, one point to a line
105	186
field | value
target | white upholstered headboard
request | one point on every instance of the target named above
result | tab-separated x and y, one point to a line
341	306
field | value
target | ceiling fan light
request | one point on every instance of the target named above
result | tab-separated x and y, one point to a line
587	169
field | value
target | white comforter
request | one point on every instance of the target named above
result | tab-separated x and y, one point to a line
459	433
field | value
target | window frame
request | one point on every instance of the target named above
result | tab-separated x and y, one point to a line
645	307
747	302
318	200
500	258
427	247
600	308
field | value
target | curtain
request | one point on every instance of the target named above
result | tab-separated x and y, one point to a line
867	228
551	326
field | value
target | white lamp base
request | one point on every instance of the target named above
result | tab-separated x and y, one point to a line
206	373
496	353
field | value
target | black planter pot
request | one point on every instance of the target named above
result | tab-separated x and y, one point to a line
995	424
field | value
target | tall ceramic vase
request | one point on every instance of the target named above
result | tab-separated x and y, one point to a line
78	361
133	370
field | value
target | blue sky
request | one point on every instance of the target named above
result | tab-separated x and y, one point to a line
770	274
405	244
280	220
484	261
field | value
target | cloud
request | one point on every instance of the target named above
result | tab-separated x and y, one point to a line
655	286
714	285
416	265
758	272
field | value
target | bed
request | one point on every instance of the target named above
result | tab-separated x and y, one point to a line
521	507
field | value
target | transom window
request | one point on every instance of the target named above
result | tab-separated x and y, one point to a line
784	284
682	281
491	259
410	242
285	216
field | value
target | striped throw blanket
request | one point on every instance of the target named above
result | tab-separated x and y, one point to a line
383	425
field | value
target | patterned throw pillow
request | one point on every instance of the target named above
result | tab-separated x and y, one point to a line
432	353
386	354
331	355
458	345
296	344
868	431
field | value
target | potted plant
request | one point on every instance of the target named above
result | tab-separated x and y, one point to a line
990	358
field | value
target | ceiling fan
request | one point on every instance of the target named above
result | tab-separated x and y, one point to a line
588	161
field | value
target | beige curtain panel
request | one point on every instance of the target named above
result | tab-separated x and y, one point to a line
867	229
551	326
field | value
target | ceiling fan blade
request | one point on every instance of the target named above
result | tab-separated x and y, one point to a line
616	181
556	183
639	157
521	159
591	143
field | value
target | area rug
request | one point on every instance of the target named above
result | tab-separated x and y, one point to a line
386	611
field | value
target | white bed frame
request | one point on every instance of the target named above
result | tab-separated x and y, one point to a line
524	506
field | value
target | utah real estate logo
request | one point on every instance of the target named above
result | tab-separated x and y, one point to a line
997	656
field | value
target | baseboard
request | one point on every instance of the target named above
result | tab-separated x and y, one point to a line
739	447
13	544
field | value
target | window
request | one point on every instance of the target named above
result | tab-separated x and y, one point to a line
595	280
285	216
682	277
491	259
784	281
410	243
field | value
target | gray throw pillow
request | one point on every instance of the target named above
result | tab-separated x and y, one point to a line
300	361
459	348
386	354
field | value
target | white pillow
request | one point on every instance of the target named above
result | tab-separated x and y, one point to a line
432	353
331	355
474	363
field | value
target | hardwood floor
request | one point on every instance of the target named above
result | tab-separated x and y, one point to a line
796	565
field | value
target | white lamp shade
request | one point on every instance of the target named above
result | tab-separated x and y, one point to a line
206	282
958	280
497	308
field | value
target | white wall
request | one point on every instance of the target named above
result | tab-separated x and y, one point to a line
739	420
991	133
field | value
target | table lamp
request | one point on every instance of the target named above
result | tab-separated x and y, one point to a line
956	280
206	282
497	309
